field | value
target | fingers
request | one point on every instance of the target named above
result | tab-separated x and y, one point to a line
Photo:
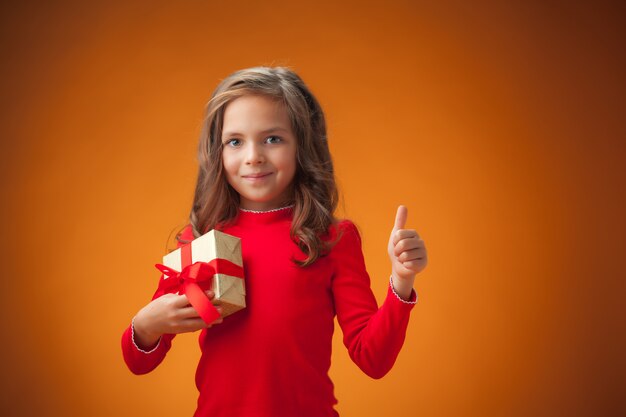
194	324
409	249
182	300
401	216
190	312
415	266
407	244
199	322
410	255
401	234
189	320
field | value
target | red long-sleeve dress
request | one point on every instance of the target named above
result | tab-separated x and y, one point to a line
272	358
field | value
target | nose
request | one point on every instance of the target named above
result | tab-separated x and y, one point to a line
254	155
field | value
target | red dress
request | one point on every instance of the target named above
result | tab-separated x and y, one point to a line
272	358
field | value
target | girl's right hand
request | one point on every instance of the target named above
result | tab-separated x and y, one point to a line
170	313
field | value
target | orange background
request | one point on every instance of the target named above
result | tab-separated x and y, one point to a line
500	126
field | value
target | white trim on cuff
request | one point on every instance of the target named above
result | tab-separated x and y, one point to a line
132	336
396	294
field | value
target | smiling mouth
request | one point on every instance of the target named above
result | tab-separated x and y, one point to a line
254	177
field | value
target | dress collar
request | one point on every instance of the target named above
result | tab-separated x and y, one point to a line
265	211
255	217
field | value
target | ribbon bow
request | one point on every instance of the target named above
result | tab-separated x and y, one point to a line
194	280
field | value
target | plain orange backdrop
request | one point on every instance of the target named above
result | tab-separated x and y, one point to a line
500	125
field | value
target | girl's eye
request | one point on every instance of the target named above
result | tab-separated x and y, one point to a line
273	139
233	142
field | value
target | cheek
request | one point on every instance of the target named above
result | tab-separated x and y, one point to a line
230	165
288	162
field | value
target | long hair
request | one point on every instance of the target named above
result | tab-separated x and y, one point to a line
315	195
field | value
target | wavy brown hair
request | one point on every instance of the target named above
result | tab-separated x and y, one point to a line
315	195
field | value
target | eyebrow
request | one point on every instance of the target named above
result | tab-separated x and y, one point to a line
264	132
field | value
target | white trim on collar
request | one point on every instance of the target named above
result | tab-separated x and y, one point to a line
265	211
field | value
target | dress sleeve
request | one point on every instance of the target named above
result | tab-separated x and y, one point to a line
141	361
372	335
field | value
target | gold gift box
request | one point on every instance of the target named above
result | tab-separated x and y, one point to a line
230	291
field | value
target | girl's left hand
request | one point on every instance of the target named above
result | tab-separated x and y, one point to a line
407	251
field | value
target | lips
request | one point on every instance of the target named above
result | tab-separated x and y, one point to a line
257	176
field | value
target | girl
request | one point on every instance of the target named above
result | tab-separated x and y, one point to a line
266	176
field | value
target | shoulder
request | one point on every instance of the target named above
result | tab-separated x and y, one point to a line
344	233
185	235
345	246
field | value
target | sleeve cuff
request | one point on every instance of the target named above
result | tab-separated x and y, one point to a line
412	299
132	336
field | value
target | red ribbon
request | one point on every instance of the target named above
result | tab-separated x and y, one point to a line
195	279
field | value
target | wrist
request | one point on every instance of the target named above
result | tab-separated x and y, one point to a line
411	300
402	287
141	336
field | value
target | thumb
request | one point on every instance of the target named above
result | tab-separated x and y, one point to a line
401	216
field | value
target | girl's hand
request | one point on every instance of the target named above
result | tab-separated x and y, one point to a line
170	313
407	251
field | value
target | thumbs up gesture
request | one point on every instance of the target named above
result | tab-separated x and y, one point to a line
407	251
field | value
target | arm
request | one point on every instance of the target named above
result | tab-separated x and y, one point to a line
140	355
372	335
149	337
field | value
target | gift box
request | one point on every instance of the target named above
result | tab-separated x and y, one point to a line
211	261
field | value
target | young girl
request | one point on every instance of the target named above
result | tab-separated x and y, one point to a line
266	176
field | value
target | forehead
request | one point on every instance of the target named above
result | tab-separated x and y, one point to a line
255	114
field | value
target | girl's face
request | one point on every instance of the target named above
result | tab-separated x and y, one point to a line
259	151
